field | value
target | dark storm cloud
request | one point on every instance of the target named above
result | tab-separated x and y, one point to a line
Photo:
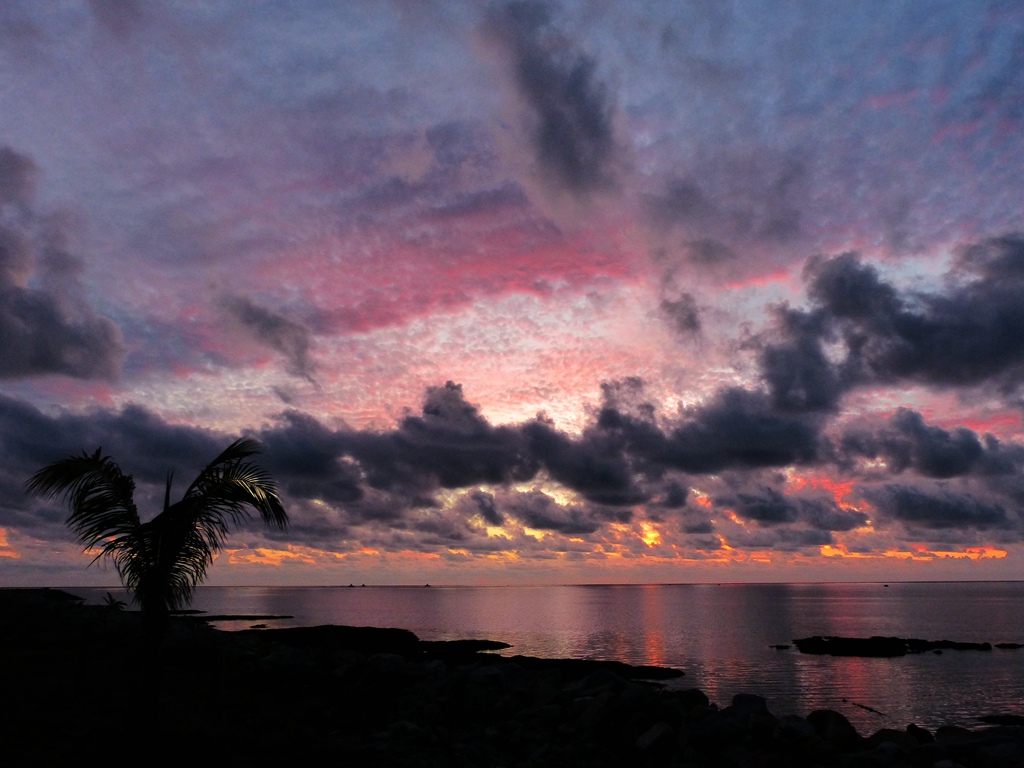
572	116
700	527
794	366
536	509
138	440
285	336
629	454
487	507
938	508
826	515
447	445
861	330
617	462
306	458
683	202
769	507
735	429
965	335
675	496
907	443
594	465
449	442
45	326
783	538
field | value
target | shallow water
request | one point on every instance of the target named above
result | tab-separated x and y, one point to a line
720	635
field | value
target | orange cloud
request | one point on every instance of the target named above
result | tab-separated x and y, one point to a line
6	550
273	557
840	491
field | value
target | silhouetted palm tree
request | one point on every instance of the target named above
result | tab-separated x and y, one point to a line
163	560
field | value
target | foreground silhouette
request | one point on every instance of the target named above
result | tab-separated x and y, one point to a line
160	562
356	696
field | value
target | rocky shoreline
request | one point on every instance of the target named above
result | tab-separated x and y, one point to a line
82	680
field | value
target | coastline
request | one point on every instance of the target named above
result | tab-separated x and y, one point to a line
82	677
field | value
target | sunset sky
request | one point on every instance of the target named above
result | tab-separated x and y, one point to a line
524	292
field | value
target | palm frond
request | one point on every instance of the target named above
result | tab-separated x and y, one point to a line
229	486
162	561
99	494
187	534
179	558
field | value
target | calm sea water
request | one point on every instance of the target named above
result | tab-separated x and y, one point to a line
720	635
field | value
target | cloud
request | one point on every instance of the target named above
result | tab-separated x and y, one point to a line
683	313
571	115
538	510
908	443
938	509
734	429
18	178
861	330
291	339
120	17
769	507
45	325
140	441
706	219
593	465
961	336
487	508
441	476
794	365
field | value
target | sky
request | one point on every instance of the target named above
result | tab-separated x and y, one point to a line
524	292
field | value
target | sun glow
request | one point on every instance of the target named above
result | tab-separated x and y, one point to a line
651	537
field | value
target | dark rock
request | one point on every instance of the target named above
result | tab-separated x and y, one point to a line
852	646
921	735
366	639
384	663
881	646
691	697
833	728
718	730
792	729
901	740
749	703
953	733
659	732
931	754
487	674
454	649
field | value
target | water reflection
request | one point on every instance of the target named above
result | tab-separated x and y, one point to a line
719	634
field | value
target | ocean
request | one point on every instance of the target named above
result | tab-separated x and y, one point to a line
719	635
